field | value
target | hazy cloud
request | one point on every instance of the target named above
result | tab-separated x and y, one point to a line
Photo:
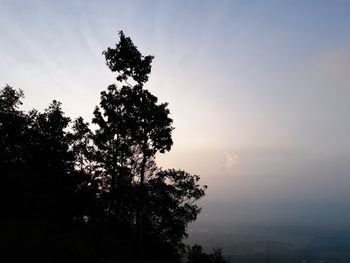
231	160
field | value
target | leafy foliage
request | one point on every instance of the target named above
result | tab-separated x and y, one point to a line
128	61
103	183
12	127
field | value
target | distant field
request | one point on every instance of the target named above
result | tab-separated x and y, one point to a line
243	243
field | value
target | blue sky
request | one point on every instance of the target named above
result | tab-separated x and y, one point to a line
259	90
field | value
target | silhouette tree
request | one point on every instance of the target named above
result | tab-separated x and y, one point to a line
132	128
81	145
82	173
36	177
172	195
103	188
13	138
12	127
113	141
50	140
48	176
149	122
139	126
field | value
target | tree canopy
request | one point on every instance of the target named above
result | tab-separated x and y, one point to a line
95	193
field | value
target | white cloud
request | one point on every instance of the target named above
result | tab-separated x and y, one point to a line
231	160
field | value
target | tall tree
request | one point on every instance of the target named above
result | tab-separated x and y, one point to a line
113	149
146	125
132	128
83	171
151	125
49	140
13	154
49	162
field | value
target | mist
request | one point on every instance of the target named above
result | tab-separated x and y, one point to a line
258	94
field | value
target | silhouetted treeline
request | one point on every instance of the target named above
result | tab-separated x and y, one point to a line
69	192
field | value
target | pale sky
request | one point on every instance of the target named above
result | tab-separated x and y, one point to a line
258	90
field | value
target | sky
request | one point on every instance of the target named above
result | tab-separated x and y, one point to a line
258	90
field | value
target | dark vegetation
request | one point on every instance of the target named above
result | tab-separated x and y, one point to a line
69	193
195	254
